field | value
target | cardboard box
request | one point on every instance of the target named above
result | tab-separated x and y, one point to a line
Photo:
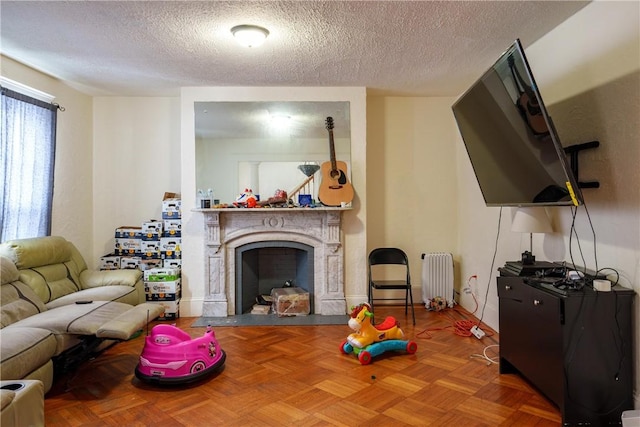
162	275
170	255
172	263
150	296
150	255
126	252
291	301
128	244
128	232
172	244
172	209
168	315
162	291
171	287
169	306
129	262
172	228
171	309
150	246
151	236
153	226
171	205
171	215
147	264
110	262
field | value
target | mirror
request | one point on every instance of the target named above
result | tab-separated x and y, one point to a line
261	145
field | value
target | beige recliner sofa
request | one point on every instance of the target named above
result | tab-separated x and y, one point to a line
55	312
54	268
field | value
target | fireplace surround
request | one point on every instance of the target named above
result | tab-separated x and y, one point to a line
229	230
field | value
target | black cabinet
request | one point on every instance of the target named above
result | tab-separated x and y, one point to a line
575	346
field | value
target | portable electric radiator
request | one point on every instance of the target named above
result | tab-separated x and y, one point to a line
437	278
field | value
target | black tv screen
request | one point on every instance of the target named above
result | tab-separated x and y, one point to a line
511	141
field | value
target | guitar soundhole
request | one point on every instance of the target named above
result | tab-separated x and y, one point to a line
340	177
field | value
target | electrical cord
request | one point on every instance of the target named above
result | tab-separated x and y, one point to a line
493	262
572	231
490	360
461	327
593	232
610	269
620	342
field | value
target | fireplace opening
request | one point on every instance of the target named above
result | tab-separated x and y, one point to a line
262	266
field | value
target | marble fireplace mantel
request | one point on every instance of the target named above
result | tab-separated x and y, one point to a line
229	228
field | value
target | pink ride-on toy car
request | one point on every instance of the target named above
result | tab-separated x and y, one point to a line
170	356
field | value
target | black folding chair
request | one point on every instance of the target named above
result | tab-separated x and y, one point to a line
390	256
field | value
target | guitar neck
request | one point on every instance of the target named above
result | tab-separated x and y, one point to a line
332	151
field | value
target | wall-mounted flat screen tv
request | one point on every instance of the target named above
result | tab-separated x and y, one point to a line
514	149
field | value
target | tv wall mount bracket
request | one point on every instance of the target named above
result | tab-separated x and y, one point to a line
573	151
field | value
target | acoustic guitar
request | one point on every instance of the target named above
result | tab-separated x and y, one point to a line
335	188
527	103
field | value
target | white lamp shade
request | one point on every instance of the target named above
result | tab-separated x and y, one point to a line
531	220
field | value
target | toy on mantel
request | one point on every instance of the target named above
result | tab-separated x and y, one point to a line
246	199
279	199
369	341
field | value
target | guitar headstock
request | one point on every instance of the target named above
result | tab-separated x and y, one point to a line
329	123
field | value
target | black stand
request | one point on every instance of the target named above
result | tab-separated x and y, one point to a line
573	151
528	258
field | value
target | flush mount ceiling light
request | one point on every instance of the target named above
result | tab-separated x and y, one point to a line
280	121
250	35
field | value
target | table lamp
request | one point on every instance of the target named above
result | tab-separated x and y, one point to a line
531	220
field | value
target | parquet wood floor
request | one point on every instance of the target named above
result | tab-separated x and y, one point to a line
296	376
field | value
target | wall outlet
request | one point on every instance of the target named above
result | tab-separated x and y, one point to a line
479	333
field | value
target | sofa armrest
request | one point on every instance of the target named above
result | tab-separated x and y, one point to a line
97	278
23	405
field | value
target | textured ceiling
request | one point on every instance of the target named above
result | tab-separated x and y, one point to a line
150	48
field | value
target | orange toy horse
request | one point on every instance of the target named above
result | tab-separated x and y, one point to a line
366	333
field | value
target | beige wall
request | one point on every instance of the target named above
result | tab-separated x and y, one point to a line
73	195
137	159
412	200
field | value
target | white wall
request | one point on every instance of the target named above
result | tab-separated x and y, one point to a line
588	70
72	194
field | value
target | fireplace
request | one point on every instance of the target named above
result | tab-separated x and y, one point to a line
262	266
237	240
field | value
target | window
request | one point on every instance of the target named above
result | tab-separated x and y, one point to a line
27	152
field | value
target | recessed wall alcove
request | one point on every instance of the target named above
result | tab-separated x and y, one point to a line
209	264
262	266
